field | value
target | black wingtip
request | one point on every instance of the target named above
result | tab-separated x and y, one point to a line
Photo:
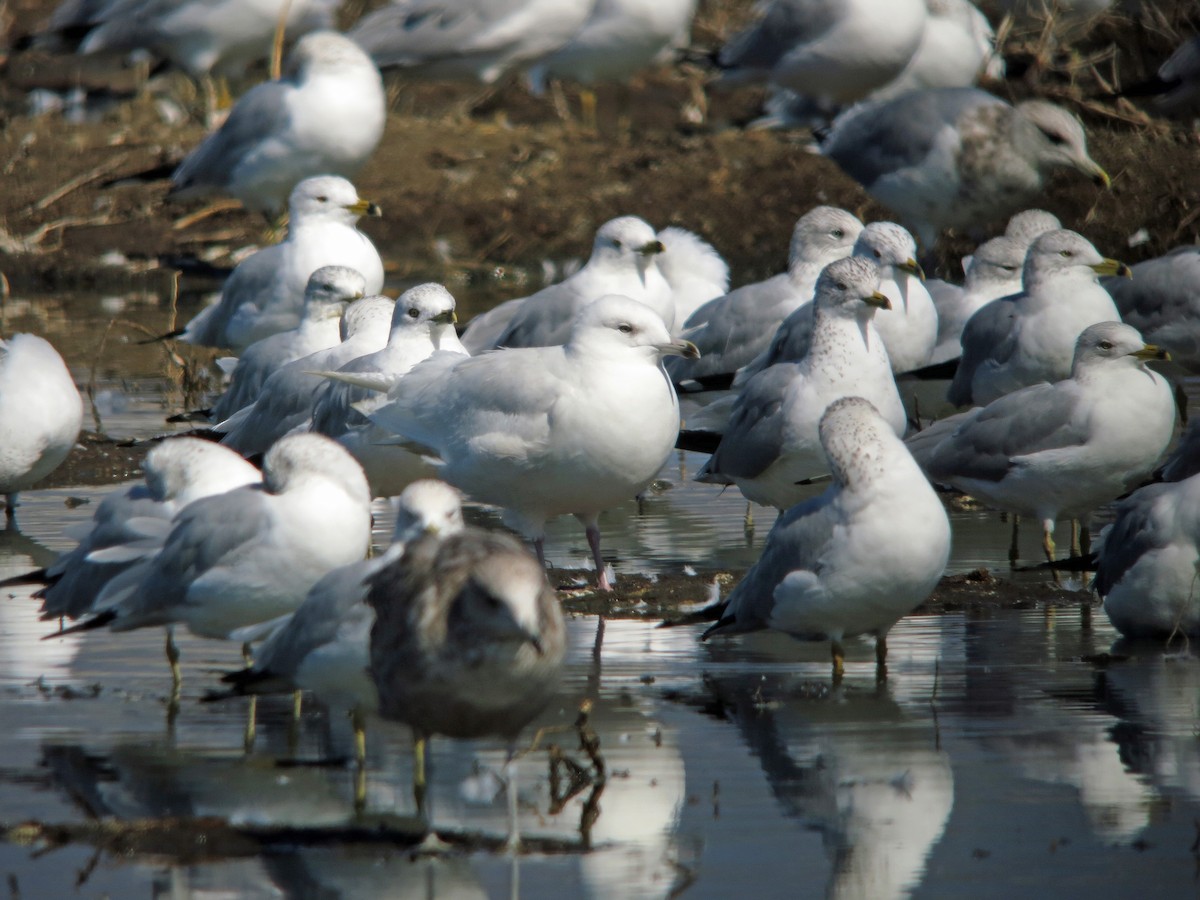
37	576
698	441
98	621
170	335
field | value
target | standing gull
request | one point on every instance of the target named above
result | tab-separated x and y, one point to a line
772	440
546	431
325	116
40	415
855	559
265	293
1063	449
956	157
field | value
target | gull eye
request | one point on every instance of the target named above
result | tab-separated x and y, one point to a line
413	312
1053	137
616	243
1066	254
838	232
841	285
322	199
1105	345
625	328
878	255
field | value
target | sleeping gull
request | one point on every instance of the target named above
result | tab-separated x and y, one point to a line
1147	562
132	524
1063	449
468	641
40	415
622	262
325	116
265	293
857	558
956	157
1030	224
772	440
731	330
326	295
1163	302
694	270
288	396
994	271
250	554
546	431
1030	337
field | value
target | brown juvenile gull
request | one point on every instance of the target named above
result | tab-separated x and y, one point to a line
468	642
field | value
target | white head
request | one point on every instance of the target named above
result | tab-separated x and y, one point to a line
997	262
1054	138
626	241
822	235
184	469
298	459
427	506
891	247
327	198
319	52
615	325
849	288
1027	226
370	315
689	256
330	289
1112	344
1063	253
429	307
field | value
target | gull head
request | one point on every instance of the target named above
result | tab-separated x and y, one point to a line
322	52
821	235
615	325
1055	138
889	244
626	241
850	287
1030	224
300	459
327	198
856	440
997	261
501	604
427	506
330	289
370	314
1062	252
428	306
1106	343
186	468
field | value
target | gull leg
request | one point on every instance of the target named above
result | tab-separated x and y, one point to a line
432	843
539	544
748	521
294	725
173	661
10	511
358	723
251	724
1048	540
881	658
1085	540
592	529
587	108
513	843
1014	547
1074	538
839	661
247	655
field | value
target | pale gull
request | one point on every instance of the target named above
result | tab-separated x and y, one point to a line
622	262
265	293
422	324
1147	562
694	270
1063	449
1030	337
1030	224
548	431
731	330
993	271
1163	302
133	523
772	440
467	39
250	554
1184	461
484	330
831	51
857	558
287	397
325	116
40	415
329	290
956	157
468	642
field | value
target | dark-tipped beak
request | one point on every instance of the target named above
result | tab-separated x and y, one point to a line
877	300
651	248
365	208
1151	352
686	349
1112	267
449	317
912	267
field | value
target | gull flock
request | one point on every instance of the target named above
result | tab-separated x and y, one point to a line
566	402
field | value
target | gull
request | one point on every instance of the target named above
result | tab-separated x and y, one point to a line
908	326
41	413
1147	562
772	440
956	157
622	262
325	116
468	39
694	270
288	395
468	641
323	646
1031	337
132	524
1184	461
1030	224
250	554
1176	87
993	271
265	293
329	290
1062	449
855	559
731	330
831	51
1163	302
422	324
547	431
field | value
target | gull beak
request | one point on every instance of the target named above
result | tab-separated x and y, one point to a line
651	248
357	295
1098	175
365	208
1151	352
686	349
912	267
878	300
449	317
536	642
1112	267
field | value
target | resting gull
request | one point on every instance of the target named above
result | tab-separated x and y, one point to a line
1162	300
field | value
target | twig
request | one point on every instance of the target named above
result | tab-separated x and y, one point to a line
212	209
31	243
91	385
277	41
80	180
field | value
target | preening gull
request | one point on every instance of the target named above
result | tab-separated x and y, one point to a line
1162	300
468	641
326	295
325	116
857	558
1031	337
546	431
1063	449
622	262
772	439
956	157
694	270
41	413
265	293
